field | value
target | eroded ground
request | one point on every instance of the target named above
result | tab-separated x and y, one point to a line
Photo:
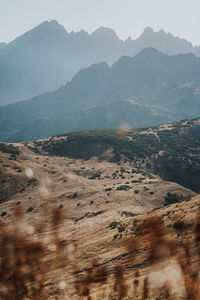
106	249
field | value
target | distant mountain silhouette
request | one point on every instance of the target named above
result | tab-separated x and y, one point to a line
47	56
164	42
148	89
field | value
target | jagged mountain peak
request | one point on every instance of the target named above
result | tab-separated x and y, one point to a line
53	56
44	29
104	32
149	51
51	25
161	31
79	34
150	33
148	30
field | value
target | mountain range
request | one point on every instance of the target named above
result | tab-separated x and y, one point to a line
47	56
148	89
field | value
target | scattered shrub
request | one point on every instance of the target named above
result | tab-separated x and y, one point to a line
123	187
94	176
108	189
7	148
30	209
113	225
4	213
74	196
172	198
121	228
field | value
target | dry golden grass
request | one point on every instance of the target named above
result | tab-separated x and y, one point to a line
33	267
47	254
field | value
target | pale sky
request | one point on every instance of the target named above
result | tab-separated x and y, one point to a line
126	17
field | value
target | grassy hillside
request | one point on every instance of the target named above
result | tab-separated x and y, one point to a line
171	151
103	228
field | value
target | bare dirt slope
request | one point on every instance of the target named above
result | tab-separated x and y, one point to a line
107	249
83	188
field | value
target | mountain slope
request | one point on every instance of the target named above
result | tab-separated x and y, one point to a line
172	151
162	41
48	56
148	89
2	45
100	228
30	63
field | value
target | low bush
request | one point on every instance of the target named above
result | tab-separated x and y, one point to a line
30	209
94	176
121	228
4	213
108	189
7	148
124	187
113	225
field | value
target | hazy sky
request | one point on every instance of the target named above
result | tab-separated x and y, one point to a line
126	17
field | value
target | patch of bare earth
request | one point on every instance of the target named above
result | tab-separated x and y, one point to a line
109	245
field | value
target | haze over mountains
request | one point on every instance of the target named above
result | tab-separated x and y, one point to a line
47	56
148	89
99	165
